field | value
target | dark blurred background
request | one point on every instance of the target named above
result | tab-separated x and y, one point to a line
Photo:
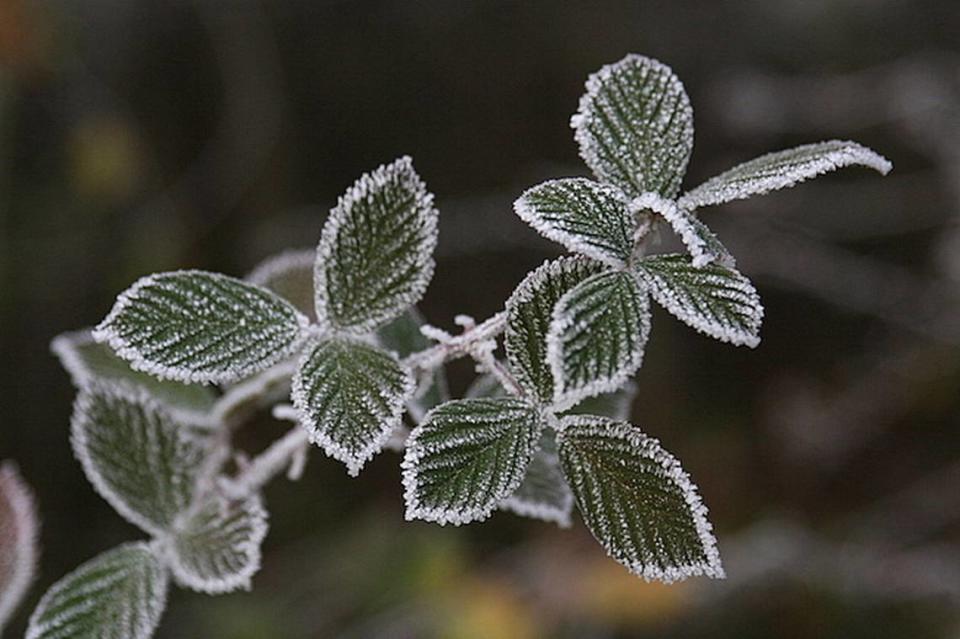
161	134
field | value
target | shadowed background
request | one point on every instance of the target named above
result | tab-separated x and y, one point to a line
154	135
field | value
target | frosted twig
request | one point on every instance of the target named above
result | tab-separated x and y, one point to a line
268	464
458	345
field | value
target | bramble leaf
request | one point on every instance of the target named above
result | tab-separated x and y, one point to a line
350	397
587	217
216	548
136	455
543	493
637	500
194	326
635	126
782	169
19	526
375	256
529	315
715	300
596	338
119	594
466	456
290	275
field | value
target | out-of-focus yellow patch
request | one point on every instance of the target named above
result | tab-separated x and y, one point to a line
489	609
610	593
105	159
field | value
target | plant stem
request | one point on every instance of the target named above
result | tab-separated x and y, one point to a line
457	346
268	464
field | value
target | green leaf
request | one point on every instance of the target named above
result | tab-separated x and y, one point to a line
544	493
616	405
637	500
586	217
635	126
376	252
715	300
216	548
194	326
118	595
88	361
782	169
466	456
403	337
350	397
19	526
529	314
136	455
597	336
289	275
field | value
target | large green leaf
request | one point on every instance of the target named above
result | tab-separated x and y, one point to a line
18	540
585	216
715	300
543	493
289	275
635	126
88	361
529	314
216	548
637	500
466	456
117	595
782	169
350	397
195	326
137	456
376	252
597	336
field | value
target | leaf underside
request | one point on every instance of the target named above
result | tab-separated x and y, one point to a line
543	493
289	275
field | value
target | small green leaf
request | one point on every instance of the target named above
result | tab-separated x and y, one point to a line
466	456
350	396
88	361
782	169
597	336
118	595
544	493
635	126
376	252
137	456
586	217
19	525
289	275
637	500
216	548
715	300
529	314
194	326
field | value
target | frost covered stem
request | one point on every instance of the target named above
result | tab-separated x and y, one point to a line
270	463
457	346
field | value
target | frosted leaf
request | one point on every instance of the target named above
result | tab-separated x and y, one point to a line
194	326
544	493
88	361
403	337
350	397
616	405
135	454
715	300
783	169
466	456
216	548
19	526
119	594
289	275
585	216
596	338
637	500
375	256
529	314
704	247
635	126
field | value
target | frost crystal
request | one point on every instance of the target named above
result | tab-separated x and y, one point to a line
350	397
717	301
18	540
544	493
375	256
637	500
466	457
217	547
289	275
586	217
597	334
703	245
194	326
635	126
782	169
117	595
